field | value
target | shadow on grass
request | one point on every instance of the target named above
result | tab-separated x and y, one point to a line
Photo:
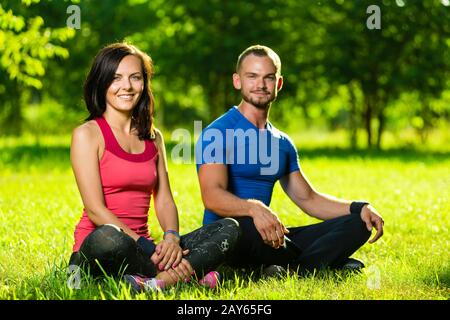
257	274
400	154
24	157
439	279
59	156
444	278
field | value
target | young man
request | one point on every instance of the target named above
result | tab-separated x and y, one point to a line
241	155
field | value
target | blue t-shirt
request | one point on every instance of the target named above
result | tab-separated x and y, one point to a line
256	158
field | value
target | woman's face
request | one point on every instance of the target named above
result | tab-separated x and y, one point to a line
127	86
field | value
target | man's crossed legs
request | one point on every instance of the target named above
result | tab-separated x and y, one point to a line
327	244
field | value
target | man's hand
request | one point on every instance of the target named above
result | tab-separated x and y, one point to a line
268	224
372	219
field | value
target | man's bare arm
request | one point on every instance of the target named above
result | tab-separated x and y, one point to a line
312	202
324	206
213	180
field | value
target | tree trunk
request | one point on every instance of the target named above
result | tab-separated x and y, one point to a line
214	101
12	116
220	95
368	118
381	125
353	121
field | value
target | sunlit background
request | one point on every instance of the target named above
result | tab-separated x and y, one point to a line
366	99
346	84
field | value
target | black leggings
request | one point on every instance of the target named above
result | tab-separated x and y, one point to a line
117	253
317	246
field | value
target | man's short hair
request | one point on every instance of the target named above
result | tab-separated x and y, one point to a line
260	51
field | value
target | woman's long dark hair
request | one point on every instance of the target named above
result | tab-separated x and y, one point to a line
101	76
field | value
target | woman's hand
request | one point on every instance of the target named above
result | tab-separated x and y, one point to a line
183	271
168	253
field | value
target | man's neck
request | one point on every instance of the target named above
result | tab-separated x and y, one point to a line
255	115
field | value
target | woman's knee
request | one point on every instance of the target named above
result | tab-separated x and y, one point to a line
230	223
106	240
232	228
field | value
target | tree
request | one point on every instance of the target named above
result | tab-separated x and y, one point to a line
195	44
25	48
409	53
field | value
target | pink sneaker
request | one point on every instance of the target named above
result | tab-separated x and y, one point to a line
211	279
139	284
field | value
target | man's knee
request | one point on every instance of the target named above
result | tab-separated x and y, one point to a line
249	233
358	229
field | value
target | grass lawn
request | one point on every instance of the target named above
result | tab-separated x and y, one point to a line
40	205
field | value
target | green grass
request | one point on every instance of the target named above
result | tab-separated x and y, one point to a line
40	205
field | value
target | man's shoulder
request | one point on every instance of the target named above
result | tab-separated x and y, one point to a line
283	136
228	120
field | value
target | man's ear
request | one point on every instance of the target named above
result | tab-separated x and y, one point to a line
236	81
280	83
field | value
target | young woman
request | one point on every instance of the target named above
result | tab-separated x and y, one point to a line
119	161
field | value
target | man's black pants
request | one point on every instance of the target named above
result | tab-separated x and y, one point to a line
327	244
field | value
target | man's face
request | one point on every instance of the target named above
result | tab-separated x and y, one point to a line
258	81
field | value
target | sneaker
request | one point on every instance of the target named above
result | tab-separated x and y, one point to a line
140	284
273	271
211	279
353	265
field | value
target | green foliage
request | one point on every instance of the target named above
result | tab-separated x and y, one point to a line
25	46
409	53
337	72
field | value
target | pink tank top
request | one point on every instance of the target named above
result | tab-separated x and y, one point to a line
127	180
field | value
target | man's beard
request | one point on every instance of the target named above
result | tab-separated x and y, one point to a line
259	104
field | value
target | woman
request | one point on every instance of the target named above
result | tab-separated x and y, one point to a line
119	161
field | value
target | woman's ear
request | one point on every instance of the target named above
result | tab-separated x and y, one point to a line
237	81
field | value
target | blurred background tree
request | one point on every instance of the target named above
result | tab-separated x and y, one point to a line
410	53
338	73
26	46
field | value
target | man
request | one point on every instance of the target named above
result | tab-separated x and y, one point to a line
241	155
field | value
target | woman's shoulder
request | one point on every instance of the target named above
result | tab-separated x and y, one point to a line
159	139
158	136
87	132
